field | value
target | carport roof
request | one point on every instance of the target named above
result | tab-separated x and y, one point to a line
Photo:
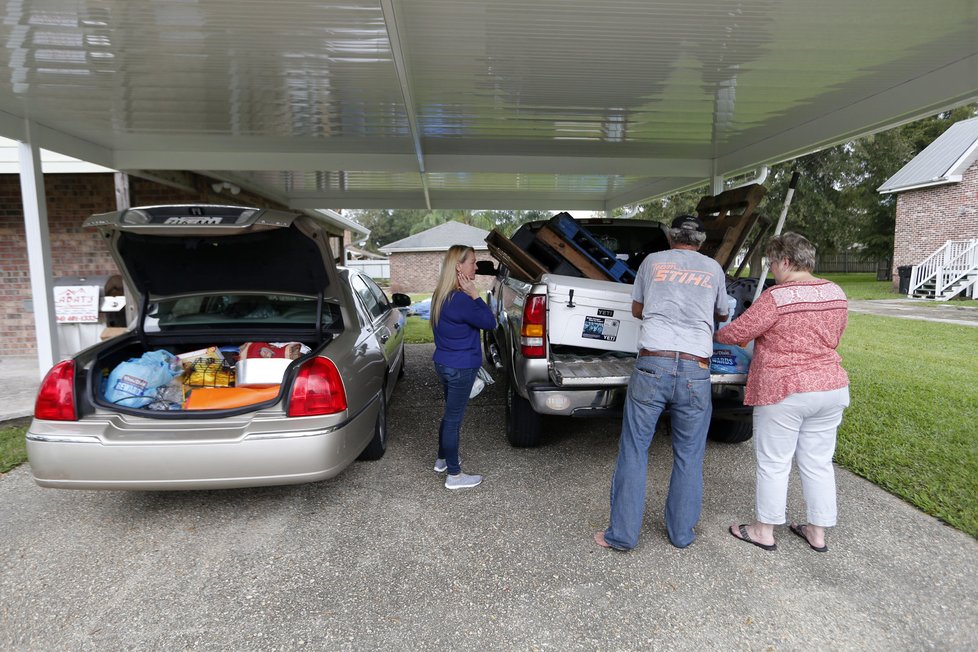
570	104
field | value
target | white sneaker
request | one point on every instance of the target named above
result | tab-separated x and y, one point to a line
441	465
462	481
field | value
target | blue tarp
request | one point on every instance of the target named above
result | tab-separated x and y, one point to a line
421	309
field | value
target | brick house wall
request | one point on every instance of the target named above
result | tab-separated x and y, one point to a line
417	271
929	217
75	251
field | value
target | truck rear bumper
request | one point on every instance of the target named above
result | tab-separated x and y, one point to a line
577	401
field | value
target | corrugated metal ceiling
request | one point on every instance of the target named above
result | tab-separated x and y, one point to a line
472	103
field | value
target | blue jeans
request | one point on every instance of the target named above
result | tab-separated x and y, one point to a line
684	387
457	385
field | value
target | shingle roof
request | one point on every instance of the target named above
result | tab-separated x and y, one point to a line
943	161
440	238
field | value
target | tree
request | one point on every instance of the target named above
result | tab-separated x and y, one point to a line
387	225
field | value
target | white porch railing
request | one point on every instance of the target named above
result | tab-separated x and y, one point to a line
954	263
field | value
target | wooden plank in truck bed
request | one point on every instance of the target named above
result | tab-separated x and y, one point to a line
728	218
521	264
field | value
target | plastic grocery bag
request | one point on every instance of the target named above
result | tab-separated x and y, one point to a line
481	380
134	383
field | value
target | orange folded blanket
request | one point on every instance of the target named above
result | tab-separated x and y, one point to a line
218	398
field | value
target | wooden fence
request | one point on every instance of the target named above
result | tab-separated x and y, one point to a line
846	263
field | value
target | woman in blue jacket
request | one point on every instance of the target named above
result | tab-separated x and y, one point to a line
457	316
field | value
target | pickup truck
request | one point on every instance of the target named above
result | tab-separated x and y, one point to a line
565	344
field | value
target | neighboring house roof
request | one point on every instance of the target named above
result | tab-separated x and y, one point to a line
943	161
440	238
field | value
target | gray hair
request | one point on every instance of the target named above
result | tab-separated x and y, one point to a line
798	251
687	237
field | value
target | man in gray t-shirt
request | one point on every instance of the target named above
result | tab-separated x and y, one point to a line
678	295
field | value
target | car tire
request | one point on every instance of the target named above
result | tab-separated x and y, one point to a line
522	423
729	431
378	445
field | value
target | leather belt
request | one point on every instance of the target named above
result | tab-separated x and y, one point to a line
674	354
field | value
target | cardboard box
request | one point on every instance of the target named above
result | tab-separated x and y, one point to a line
260	372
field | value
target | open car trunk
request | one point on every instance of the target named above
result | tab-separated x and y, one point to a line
218	289
183	377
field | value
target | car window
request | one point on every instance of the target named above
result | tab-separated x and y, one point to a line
240	309
370	300
382	299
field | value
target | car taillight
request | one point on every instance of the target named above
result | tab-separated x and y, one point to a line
56	397
318	389
534	326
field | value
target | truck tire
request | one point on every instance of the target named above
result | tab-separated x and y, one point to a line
729	431
522	423
487	343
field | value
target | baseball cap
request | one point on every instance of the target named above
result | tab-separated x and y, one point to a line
689	222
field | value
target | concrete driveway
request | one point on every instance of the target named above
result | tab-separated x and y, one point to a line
383	557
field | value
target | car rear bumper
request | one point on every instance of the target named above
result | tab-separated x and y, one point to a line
84	462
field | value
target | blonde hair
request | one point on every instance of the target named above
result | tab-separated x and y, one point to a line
447	278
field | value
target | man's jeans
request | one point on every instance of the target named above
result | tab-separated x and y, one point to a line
457	385
684	387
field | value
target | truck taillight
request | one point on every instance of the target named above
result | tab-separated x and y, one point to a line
56	396
534	326
318	389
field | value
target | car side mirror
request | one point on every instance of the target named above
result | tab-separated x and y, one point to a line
401	300
485	268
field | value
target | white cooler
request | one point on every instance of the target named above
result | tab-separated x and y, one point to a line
600	316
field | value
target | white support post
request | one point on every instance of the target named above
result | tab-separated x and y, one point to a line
716	184
38	252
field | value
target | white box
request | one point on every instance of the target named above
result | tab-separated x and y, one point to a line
253	372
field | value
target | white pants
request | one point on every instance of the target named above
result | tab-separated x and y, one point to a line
802	426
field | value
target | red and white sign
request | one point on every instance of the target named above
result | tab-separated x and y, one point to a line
75	304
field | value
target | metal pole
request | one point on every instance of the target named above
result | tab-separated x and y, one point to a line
777	230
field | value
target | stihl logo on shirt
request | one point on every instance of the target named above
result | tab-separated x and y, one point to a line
671	273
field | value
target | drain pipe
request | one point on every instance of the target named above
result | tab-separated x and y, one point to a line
777	229
760	174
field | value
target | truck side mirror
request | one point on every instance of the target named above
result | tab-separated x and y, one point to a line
485	268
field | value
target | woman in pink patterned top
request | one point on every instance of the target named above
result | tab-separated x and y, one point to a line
798	389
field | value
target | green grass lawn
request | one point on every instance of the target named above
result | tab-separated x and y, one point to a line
13	448
863	286
417	330
911	426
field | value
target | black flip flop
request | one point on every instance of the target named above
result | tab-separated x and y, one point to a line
799	530
742	528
